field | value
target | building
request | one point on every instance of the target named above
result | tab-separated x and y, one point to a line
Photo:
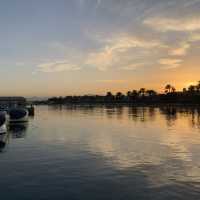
7	102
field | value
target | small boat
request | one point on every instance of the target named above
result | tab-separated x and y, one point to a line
18	115
3	120
31	110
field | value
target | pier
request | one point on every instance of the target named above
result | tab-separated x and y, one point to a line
7	102
13	102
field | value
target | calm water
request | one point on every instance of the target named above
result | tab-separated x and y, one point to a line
102	153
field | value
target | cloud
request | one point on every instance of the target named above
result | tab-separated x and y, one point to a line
169	24
188	26
170	63
185	45
112	81
115	50
180	51
83	2
57	66
101	60
190	3
133	66
194	37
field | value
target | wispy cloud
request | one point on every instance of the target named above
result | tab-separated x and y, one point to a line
83	2
169	63
57	66
194	37
133	66
112	81
116	48
167	24
181	50
191	2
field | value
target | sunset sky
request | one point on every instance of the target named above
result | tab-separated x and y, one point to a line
67	47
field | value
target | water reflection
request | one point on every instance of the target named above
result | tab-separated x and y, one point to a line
3	141
105	152
18	130
170	114
138	114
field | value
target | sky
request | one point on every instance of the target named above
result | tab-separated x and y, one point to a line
75	47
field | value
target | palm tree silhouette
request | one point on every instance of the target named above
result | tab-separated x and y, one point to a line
119	96
142	92
134	93
109	94
173	89
168	88
128	94
184	90
109	97
191	88
151	93
198	86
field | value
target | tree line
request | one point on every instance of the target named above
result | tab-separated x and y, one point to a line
190	95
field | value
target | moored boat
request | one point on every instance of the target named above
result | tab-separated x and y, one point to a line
3	141
3	119
31	110
17	115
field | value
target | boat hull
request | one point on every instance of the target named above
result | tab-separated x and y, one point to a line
3	129
18	115
3	121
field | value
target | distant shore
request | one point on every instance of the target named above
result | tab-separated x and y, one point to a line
122	104
188	96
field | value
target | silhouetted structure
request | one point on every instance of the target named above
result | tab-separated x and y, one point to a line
12	101
190	95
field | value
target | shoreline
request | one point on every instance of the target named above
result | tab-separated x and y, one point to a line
124	104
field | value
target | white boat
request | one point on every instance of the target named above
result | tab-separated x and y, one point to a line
3	121
3	129
18	115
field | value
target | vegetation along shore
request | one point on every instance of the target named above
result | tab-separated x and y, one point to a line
190	95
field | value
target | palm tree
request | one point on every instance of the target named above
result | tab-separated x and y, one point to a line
151	93
184	90
109	94
142	92
198	86
109	97
168	88
173	89
134	93
128	94
191	89
119	96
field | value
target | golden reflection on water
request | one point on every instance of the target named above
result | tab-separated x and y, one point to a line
163	142
137	136
133	149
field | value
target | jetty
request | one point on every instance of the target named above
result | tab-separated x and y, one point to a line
8	102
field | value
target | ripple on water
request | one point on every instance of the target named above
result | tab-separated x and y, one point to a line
103	153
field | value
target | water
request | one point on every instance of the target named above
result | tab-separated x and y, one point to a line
103	153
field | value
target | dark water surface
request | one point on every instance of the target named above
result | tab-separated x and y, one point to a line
103	153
